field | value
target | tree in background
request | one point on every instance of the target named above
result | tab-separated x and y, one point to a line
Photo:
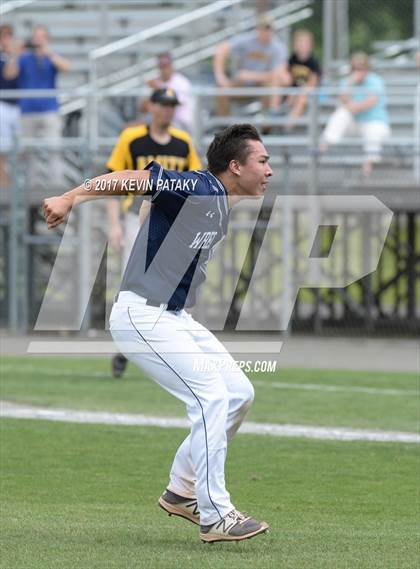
369	21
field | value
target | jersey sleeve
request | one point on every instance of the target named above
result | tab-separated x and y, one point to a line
120	155
169	188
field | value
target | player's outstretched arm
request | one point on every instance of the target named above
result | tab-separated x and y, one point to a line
107	185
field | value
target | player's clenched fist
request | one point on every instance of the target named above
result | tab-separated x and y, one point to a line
56	209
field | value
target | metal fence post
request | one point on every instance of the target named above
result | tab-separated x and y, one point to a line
313	200
17	225
416	21
197	132
327	36
84	250
287	246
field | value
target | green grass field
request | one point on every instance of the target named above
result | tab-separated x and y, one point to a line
84	496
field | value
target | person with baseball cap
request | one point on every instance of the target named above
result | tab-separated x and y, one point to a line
136	147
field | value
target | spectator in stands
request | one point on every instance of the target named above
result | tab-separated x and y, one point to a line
169	78
304	71
362	111
136	147
259	60
37	68
9	108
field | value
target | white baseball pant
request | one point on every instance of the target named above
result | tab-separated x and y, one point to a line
342	123
216	397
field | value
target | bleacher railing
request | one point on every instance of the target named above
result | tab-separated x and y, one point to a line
12	5
87	149
185	55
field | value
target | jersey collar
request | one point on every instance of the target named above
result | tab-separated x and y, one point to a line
222	189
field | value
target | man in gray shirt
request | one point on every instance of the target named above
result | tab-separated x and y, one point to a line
258	60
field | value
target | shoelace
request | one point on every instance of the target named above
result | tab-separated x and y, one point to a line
232	519
237	516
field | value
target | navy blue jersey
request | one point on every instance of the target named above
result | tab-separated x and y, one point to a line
189	216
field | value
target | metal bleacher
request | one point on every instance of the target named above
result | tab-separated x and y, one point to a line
80	30
77	28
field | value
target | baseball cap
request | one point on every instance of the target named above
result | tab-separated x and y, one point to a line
265	21
164	97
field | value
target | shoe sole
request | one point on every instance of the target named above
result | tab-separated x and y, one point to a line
212	538
173	510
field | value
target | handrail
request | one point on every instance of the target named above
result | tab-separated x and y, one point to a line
204	91
154	31
247	23
197	50
12	5
392	48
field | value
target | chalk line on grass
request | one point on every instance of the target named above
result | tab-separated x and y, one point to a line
259	383
338	388
17	411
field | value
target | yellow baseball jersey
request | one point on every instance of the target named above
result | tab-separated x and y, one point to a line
135	148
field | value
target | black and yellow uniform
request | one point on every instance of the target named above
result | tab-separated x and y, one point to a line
301	69
135	148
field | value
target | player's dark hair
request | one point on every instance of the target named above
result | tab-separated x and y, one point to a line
230	144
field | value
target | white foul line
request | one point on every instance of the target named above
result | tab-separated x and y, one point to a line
338	388
89	374
16	411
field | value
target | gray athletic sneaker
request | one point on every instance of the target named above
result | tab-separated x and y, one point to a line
233	527
176	505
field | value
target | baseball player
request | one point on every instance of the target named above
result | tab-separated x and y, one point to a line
136	147
150	325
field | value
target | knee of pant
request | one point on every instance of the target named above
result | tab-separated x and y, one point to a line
217	401
250	394
247	395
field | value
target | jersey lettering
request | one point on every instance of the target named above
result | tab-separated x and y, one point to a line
168	162
203	240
